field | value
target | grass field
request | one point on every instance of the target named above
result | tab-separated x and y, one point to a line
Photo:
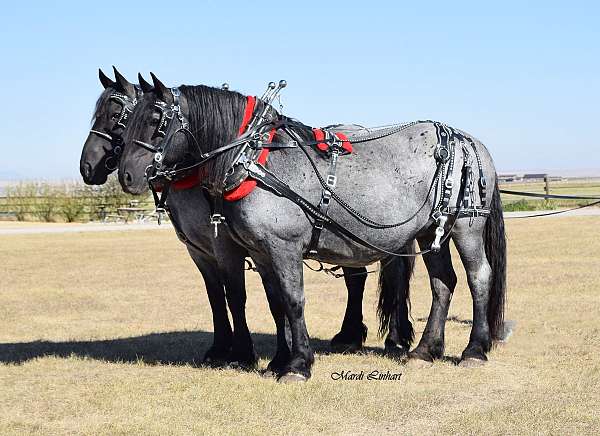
99	333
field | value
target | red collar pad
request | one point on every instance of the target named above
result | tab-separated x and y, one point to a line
324	147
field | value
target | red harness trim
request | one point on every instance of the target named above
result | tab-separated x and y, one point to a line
320	136
249	184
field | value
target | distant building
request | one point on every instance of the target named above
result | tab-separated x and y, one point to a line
534	177
507	178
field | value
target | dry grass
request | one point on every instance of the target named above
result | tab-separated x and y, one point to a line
90	321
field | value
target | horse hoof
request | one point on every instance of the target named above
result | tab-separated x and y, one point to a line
269	373
242	365
345	348
471	362
292	377
395	352
415	363
214	363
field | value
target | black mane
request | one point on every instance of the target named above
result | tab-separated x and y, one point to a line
101	104
215	116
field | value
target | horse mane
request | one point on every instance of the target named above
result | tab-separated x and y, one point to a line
215	116
101	106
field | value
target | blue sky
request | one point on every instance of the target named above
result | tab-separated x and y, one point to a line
524	77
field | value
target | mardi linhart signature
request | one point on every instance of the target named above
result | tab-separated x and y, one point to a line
362	375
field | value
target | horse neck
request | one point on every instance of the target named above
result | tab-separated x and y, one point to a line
214	114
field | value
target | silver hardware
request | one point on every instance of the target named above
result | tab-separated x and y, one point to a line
439	233
253	168
225	86
270	87
159	212
331	180
158	157
215	220
272	91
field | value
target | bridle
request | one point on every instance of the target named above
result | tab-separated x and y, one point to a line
167	129
115	139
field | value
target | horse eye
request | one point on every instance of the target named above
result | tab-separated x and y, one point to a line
154	122
114	116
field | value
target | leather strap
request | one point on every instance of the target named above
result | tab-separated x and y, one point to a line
335	149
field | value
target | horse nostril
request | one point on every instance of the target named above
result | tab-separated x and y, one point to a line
87	170
128	179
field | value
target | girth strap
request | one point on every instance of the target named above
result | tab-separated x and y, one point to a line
331	181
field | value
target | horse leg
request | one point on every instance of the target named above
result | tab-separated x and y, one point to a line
222	339
232	270
283	354
287	276
394	304
353	332
442	279
470	246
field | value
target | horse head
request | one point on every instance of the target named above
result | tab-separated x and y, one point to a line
104	144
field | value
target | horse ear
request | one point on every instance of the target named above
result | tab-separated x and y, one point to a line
162	92
146	87
123	84
105	80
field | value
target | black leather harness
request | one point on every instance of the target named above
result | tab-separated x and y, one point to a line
443	182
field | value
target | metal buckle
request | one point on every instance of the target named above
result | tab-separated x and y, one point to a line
215	220
331	180
326	198
439	233
159	211
442	153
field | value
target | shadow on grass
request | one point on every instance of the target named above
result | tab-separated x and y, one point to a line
171	348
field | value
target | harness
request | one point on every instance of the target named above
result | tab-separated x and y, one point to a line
256	141
116	141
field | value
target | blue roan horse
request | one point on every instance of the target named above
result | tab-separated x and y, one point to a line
423	181
221	261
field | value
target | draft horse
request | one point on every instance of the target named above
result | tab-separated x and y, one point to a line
422	180
221	261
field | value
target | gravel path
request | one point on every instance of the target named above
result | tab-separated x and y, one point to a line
78	228
14	228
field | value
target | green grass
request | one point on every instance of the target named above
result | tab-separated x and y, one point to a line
512	203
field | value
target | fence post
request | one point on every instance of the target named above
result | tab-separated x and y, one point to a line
547	182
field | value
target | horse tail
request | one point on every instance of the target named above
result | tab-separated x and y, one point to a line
394	295
495	250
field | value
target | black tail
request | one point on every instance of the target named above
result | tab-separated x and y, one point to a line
394	296
495	250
